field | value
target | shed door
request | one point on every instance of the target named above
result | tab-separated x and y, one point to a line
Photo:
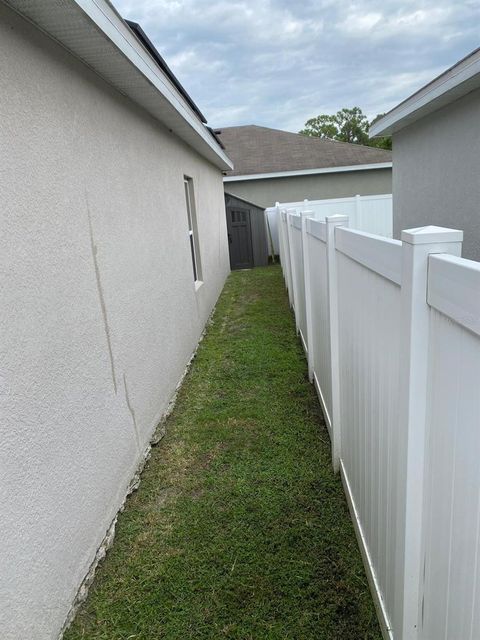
240	238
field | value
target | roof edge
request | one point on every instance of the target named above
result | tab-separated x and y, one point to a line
148	44
219	130
457	81
232	195
308	172
76	24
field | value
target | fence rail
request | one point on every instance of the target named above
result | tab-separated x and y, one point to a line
391	330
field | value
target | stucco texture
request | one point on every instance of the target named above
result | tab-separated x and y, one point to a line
99	311
265	192
436	178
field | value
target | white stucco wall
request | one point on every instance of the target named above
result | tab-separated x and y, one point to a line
99	311
436	178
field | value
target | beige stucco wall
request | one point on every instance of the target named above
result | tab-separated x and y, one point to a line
436	178
314	187
99	311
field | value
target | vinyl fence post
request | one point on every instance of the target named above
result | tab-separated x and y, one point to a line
286	253
308	293
358	212
417	245
281	253
289	260
293	269
331	223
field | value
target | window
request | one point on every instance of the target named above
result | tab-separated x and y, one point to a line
192	229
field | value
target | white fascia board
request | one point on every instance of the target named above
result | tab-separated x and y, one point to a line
308	172
94	32
454	83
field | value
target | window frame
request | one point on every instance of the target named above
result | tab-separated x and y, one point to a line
193	230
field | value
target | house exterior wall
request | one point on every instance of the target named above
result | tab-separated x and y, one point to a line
99	311
435	176
265	192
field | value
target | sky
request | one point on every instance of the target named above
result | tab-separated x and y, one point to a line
277	63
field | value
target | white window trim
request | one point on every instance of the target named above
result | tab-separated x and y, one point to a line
193	231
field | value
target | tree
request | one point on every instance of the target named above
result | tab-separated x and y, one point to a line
347	125
323	126
381	143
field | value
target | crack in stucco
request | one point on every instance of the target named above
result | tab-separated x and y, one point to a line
158	433
101	296
132	412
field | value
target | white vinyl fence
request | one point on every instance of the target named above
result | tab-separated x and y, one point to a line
366	213
391	330
271	218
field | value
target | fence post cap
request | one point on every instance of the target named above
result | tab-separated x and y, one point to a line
336	219
431	234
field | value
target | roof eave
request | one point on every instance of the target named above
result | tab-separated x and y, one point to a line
451	85
94	32
148	44
307	172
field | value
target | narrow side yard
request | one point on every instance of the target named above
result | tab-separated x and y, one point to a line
239	529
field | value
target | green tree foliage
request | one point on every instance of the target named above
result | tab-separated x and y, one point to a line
347	125
323	126
381	143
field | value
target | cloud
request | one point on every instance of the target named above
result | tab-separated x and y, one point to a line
278	63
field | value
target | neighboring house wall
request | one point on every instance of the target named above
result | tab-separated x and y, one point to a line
436	178
265	192
99	311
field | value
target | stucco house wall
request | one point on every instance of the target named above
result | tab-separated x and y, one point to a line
100	314
265	192
435	175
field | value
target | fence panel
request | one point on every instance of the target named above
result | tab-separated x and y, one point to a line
281	253
397	369
372	214
451	592
273	219
285	256
369	275
281	241
317	256
296	258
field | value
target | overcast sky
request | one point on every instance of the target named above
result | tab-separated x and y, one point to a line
279	62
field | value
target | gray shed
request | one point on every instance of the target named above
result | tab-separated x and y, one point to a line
247	234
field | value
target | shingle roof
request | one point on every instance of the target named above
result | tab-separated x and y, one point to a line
262	150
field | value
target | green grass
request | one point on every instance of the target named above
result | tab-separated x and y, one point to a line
239	529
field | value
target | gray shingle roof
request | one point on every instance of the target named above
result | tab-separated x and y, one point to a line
262	150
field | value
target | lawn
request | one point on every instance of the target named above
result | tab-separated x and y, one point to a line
239	529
